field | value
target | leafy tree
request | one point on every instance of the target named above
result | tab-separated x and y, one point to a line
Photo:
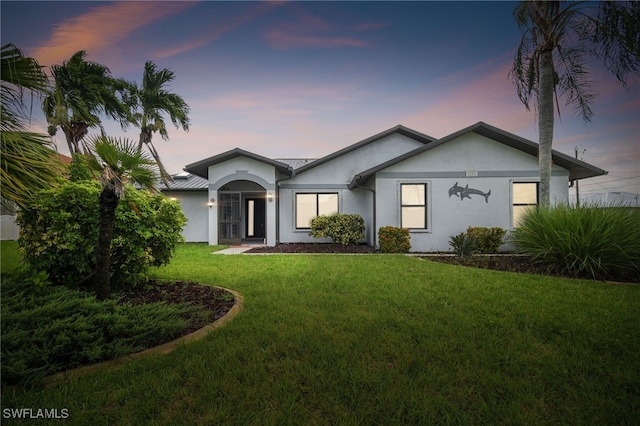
118	161
60	227
150	103
28	158
82	91
551	60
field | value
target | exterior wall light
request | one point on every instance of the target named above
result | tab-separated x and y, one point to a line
211	202
270	196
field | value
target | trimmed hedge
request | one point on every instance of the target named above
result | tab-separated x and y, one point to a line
393	239
343	229
487	239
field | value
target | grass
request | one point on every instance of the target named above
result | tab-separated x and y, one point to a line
378	339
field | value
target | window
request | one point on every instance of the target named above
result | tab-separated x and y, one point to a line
525	197
309	206
413	205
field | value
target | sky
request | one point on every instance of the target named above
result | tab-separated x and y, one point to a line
302	79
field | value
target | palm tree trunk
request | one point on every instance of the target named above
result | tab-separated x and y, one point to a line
545	125
108	202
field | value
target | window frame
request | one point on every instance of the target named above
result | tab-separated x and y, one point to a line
425	206
317	196
514	204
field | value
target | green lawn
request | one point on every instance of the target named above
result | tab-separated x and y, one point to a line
377	339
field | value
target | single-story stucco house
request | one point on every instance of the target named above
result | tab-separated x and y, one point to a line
478	176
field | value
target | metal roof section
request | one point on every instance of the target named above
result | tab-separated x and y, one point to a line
400	129
296	163
185	182
201	168
577	169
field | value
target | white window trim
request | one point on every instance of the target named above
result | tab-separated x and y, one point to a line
428	207
511	182
295	206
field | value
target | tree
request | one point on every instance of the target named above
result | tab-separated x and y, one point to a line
28	158
118	161
82	91
551	60
150	103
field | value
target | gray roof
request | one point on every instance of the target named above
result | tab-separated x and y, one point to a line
400	129
201	168
296	163
186	182
577	169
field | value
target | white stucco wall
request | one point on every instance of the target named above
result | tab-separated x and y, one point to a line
194	206
496	165
240	169
9	228
334	176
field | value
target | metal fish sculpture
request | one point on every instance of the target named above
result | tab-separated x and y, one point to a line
466	192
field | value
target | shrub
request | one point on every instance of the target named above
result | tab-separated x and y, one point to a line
343	229
59	233
589	241
463	244
487	239
53	328
393	239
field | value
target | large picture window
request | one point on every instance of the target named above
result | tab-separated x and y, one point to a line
525	197
413	205
310	205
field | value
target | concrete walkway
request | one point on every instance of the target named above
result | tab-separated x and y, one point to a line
234	250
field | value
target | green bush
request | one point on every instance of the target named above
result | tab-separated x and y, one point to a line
393	239
463	244
59	233
46	329
588	241
487	239
343	229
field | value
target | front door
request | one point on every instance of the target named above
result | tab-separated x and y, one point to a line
229	218
255	208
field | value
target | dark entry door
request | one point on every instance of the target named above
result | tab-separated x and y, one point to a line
255	214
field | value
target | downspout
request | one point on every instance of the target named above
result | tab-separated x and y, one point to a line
277	183
373	192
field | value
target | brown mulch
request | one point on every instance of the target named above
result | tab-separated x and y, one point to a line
215	301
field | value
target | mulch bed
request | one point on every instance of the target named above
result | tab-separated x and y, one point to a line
215	301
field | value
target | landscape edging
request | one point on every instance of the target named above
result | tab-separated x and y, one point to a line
163	349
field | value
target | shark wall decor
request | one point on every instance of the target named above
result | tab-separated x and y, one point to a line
466	192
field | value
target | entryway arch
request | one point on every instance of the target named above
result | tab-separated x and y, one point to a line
242	212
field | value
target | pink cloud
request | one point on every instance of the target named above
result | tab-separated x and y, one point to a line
218	29
310	31
481	93
102	28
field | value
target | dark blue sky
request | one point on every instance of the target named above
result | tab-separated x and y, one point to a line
303	79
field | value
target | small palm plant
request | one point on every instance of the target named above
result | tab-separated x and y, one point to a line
118	162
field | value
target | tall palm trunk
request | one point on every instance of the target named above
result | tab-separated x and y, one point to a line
545	124
108	202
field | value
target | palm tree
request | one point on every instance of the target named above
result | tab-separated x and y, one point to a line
551	61
82	91
150	103
28	158
118	162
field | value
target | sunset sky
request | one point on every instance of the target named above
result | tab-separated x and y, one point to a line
303	79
